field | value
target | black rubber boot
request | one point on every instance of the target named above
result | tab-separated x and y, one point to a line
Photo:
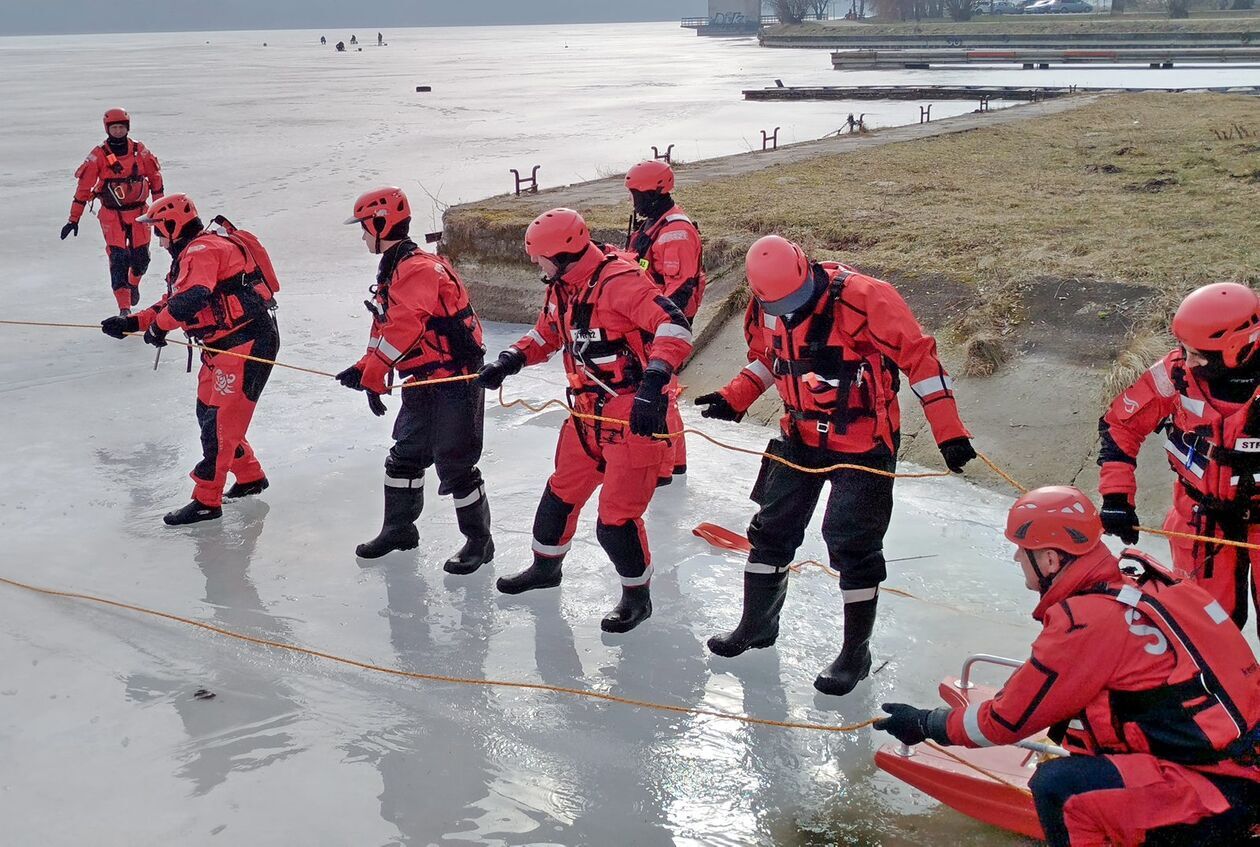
545	572
634	607
474	523
854	662
398	532
246	489
194	512
759	625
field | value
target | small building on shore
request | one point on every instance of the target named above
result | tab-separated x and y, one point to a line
728	17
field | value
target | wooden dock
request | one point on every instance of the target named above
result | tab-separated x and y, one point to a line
1038	57
1025	93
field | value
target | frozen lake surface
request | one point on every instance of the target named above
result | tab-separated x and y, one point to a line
102	740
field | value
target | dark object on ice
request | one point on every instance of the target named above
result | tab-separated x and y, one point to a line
354	40
422	89
341	46
204	694
194	512
323	40
380	40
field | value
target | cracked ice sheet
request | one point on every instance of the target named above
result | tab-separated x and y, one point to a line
296	748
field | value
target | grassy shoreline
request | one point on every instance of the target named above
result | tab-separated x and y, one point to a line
1237	22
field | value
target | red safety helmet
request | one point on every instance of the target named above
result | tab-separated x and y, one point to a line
652	175
385	207
1055	517
556	232
1224	318
779	274
117	115
170	214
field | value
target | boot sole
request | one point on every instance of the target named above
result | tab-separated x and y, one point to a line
193	521
622	626
730	652
507	588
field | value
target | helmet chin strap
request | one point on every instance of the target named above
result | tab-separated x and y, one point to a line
1043	581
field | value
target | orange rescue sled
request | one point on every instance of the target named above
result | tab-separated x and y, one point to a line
989	784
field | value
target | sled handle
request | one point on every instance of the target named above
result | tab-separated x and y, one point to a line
964	680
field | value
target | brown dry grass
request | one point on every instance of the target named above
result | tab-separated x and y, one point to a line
1134	188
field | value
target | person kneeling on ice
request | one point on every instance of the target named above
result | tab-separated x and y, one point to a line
622	339
423	327
832	340
1145	679
221	292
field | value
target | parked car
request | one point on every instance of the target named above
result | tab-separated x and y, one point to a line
1003	7
1044	7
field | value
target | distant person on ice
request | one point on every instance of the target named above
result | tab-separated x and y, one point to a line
122	174
323	40
667	245
621	341
220	291
380	40
341	47
354	40
832	341
423	327
1144	679
1203	396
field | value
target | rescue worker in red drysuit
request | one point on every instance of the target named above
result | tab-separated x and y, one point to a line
622	340
666	243
423	327
1203	396
211	295
122	174
1162	719
832	340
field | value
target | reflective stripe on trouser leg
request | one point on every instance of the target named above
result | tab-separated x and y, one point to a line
470	499
404	482
626	546
762	568
554	525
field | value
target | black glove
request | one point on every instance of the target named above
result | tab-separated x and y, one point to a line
957	452
155	335
647	415
351	377
71	228
1119	518
376	404
912	726
508	364
717	407
118	326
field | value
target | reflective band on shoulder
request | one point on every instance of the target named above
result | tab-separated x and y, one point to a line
636	581
931	385
761	372
536	337
971	723
470	499
1129	596
1216	612
1193	406
770	321
676	218
673	331
551	550
388	350
859	595
399	482
758	567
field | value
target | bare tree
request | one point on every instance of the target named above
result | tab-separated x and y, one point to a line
1178	8
792	11
960	10
820	8
1117	7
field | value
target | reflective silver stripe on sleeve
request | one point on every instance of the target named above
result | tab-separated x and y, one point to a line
1194	407
536	337
604	360
388	350
1129	596
859	595
758	567
971	723
636	581
399	482
761	372
673	331
931	385
550	549
470	499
